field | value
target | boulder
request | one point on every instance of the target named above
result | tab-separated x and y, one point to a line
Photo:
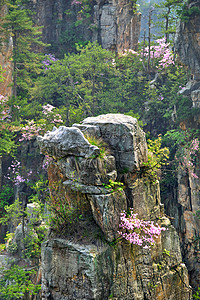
124	136
66	141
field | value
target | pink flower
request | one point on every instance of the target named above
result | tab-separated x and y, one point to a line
140	232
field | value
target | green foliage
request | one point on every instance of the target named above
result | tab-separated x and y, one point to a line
166	252
32	246
15	283
26	63
65	215
179	142
6	194
2	248
169	11
98	142
114	186
13	212
76	81
157	157
197	294
7	142
11	246
185	12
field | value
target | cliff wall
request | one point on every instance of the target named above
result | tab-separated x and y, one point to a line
112	23
184	202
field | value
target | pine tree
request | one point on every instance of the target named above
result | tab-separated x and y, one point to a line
26	44
169	12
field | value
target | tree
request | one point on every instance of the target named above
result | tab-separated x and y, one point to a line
169	12
77	81
16	283
26	44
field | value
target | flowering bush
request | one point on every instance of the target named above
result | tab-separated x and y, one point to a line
160	52
4	109
50	112
49	60
140	232
33	128
29	131
17	174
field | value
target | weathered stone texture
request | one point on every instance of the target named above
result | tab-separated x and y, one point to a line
195	95
113	24
183	208
119	27
125	138
73	271
187	42
184	202
84	270
65	141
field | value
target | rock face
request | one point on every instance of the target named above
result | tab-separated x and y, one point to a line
184	203
124	137
187	41
112	23
89	268
118	27
183	207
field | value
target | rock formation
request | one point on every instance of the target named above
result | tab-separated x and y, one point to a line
79	265
184	202
112	23
187	41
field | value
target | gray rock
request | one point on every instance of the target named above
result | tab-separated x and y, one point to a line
89	130
66	141
75	272
85	189
90	171
125	138
106	209
72	271
189	88
195	95
108	26
78	269
187	42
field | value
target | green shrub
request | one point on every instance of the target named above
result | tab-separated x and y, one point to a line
15	283
6	194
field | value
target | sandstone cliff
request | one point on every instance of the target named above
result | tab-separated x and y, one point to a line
76	263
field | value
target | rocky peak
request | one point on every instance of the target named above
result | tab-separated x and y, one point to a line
92	268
